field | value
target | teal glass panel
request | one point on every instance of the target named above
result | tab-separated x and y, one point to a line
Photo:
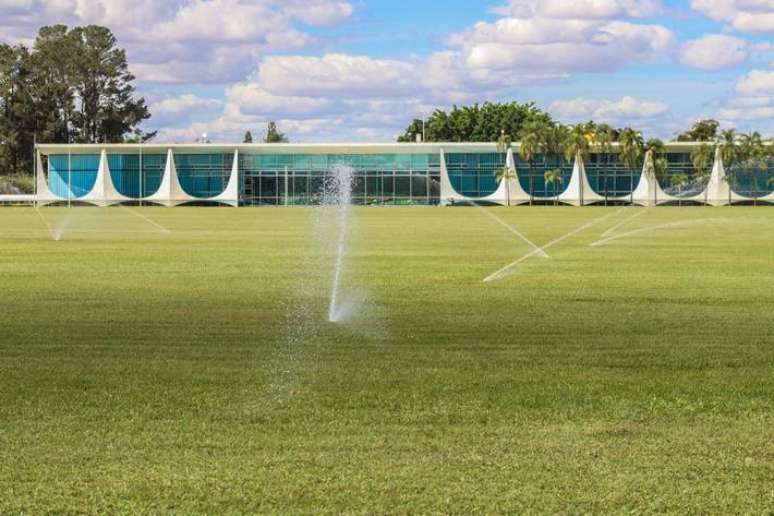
73	176
203	175
473	174
752	180
532	178
679	164
126	176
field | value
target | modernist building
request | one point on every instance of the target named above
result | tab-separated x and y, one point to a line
405	174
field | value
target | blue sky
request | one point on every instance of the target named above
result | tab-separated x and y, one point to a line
360	70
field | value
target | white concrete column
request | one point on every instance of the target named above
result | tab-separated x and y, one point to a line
230	194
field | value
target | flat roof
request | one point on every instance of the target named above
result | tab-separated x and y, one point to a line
297	148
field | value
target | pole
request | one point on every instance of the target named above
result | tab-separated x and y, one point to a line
35	165
69	177
142	180
286	185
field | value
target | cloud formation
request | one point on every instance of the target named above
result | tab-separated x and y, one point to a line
714	52
755	16
627	108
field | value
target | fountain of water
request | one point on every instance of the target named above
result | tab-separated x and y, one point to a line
337	198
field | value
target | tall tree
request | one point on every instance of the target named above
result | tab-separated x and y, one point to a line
507	174
702	131
16	120
702	158
476	123
753	153
728	143
106	107
72	86
554	177
602	143
632	150
529	147
657	150
248	137
504	143
273	135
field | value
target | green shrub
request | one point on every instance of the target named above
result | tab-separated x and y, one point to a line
17	184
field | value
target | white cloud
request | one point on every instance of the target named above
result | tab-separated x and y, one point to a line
183	104
252	99
714	52
581	9
361	96
536	43
755	16
753	105
336	74
756	83
182	41
627	108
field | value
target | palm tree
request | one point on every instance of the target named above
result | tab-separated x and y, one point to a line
506	174
504	143
658	156
728	143
553	177
678	181
631	153
602	143
702	158
575	143
752	150
530	145
575	146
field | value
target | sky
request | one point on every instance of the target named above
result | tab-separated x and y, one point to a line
361	70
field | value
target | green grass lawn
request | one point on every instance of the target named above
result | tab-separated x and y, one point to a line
179	360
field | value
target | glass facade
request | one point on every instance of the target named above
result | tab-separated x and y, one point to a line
204	175
72	176
533	180
126	176
752	181
402	177
298	179
680	164
609	177
473	174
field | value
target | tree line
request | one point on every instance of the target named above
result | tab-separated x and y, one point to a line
544	141
72	86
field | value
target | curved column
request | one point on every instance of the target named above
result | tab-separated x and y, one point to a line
718	192
104	191
230	194
648	191
517	194
170	193
44	193
579	191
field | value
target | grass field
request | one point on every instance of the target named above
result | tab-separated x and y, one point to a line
179	360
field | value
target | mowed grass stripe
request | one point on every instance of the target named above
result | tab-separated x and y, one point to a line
194	372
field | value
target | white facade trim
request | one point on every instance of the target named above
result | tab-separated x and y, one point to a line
230	195
44	193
